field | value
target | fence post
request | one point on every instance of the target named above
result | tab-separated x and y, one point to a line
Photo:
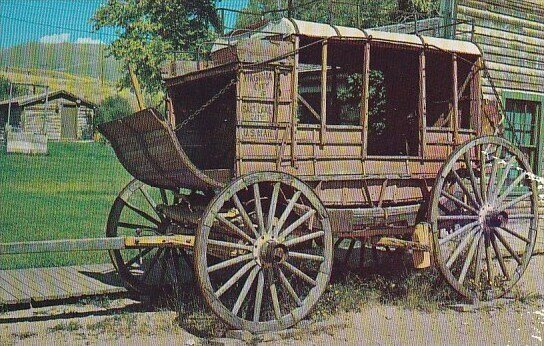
9	104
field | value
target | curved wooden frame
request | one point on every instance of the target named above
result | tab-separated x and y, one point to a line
149	150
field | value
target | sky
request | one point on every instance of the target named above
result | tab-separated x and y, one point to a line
56	21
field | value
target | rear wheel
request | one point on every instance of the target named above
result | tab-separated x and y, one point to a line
263	252
484	217
136	212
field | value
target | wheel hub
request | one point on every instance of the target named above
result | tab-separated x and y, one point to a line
268	252
490	218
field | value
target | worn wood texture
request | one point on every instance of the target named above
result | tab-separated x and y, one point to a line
27	286
26	143
510	34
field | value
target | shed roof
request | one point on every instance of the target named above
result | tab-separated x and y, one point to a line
40	98
288	26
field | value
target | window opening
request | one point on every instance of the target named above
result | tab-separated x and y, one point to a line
393	128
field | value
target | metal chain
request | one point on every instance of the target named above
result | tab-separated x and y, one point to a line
205	105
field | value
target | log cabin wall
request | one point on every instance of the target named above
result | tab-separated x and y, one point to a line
511	36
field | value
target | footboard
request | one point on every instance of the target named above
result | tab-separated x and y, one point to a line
149	150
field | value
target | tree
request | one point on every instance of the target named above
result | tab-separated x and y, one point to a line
366	14
113	107
5	86
151	30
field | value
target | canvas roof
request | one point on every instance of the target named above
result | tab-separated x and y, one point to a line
288	26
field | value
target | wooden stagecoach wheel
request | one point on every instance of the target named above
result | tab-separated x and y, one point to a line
484	216
136	212
263	252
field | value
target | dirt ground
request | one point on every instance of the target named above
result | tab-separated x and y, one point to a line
124	321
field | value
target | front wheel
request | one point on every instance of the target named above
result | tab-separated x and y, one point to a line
484	217
137	212
263	252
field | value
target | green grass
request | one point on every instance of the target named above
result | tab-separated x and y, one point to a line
66	194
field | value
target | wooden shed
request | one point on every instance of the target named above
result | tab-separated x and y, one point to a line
59	114
510	34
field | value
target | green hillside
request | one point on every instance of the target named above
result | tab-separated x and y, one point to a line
88	60
89	88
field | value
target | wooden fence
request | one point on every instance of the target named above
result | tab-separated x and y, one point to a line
26	143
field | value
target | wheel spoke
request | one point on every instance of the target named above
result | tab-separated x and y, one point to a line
286	213
152	264
465	188
142	213
499	257
297	223
458	202
493	176
245	290
136	226
508	247
483	185
259	208
478	266
515	234
521	216
502	180
511	187
229	245
302	239
299	273
473	181
514	201
468	260
163	196
148	198
289	288
234	228
163	270
489	262
235	278
230	262
274	295
458	232
272	209
457	217
258	297
245	216
138	257
306	256
461	246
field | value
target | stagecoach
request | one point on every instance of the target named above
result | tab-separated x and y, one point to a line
282	142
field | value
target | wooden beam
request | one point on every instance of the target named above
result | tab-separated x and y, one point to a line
324	65
365	94
137	88
455	119
422	104
95	244
401	244
310	108
294	103
63	245
276	85
476	97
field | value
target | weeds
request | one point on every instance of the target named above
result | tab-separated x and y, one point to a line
392	281
24	335
101	302
66	326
